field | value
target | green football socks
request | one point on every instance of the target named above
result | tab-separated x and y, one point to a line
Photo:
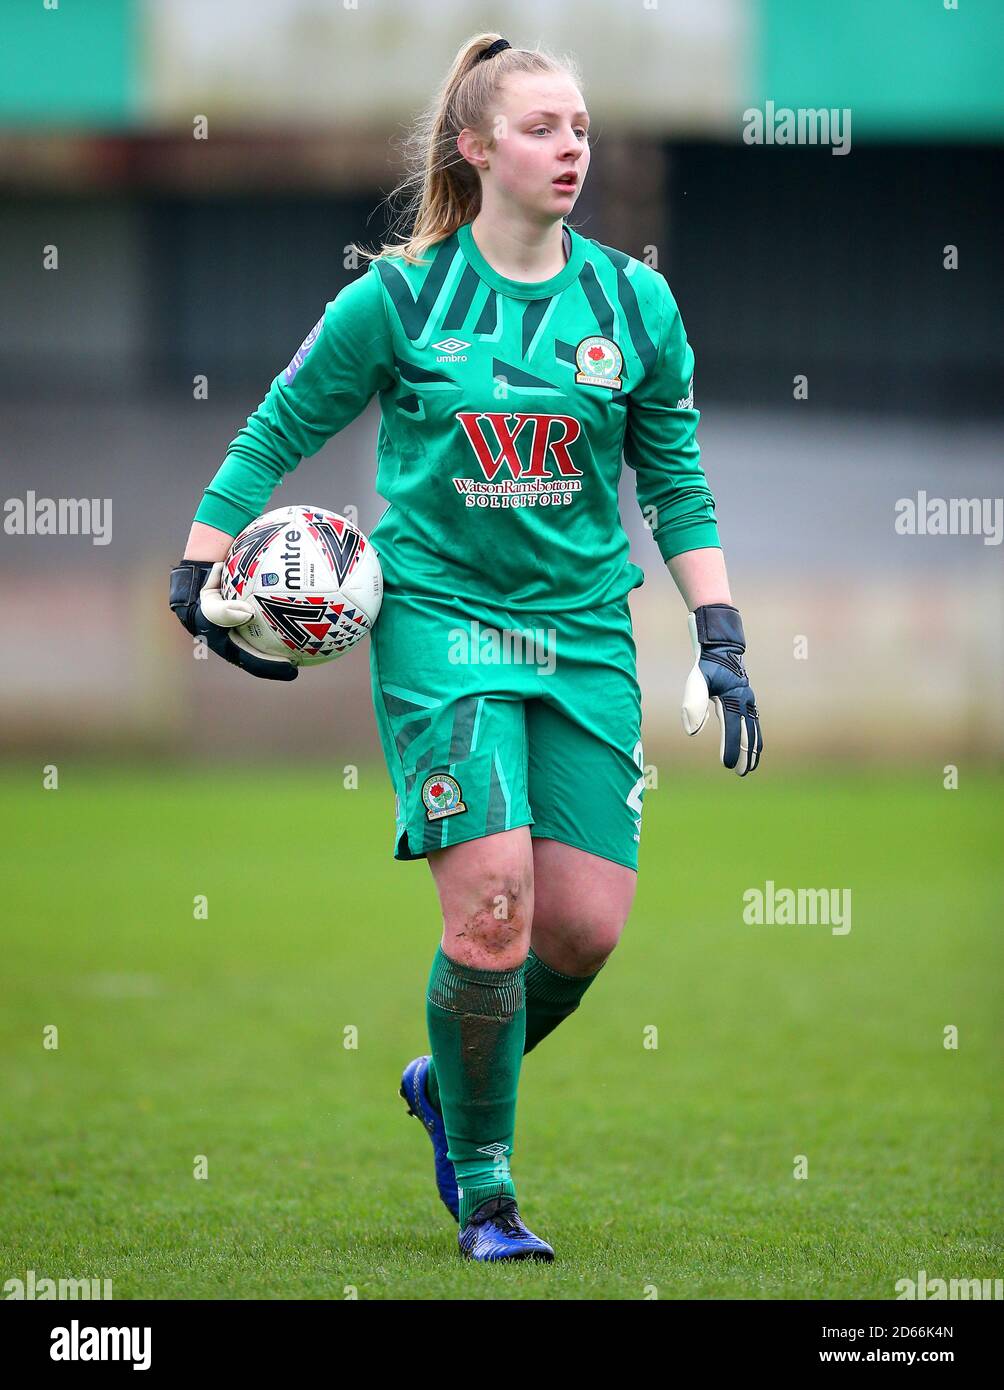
509	1010
477	1027
550	998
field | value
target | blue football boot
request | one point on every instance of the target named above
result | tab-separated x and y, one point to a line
417	1098
496	1232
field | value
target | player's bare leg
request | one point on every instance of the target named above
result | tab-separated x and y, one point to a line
486	894
581	903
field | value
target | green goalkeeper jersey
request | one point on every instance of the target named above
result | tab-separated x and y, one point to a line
506	411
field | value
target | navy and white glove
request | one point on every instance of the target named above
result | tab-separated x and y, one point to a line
204	612
719	678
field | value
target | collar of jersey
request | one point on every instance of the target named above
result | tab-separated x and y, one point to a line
522	289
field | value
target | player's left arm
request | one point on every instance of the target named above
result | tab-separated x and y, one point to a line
660	444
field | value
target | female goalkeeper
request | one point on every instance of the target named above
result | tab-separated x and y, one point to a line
516	362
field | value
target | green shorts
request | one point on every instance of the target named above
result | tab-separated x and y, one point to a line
491	719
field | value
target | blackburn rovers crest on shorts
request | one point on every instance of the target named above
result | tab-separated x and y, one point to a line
600	363
441	796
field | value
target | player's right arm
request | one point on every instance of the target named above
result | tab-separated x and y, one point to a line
344	360
206	542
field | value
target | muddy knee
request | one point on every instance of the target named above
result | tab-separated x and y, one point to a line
493	932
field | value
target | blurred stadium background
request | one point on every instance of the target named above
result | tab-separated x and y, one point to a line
181	258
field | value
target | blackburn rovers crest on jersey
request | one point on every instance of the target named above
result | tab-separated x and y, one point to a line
599	362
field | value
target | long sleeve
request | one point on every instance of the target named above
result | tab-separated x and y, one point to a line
660	443
344	360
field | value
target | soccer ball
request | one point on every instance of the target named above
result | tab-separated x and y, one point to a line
313	580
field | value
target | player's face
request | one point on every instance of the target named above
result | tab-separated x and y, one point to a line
541	132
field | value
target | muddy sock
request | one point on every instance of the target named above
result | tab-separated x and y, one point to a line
477	1026
550	998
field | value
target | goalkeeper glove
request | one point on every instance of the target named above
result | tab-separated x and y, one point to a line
204	612
718	677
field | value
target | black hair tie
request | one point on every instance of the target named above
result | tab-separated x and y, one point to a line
496	47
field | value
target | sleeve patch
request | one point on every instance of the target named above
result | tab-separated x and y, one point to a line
300	356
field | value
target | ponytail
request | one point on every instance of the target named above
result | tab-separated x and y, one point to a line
441	190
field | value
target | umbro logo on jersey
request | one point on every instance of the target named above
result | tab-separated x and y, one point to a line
451	350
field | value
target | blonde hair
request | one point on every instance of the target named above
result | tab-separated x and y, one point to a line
441	190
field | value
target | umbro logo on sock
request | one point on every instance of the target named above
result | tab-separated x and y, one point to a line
494	1150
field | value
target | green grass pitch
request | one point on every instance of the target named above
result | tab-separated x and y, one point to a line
654	1171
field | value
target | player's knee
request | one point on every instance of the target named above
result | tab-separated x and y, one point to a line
494	933
581	948
592	955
